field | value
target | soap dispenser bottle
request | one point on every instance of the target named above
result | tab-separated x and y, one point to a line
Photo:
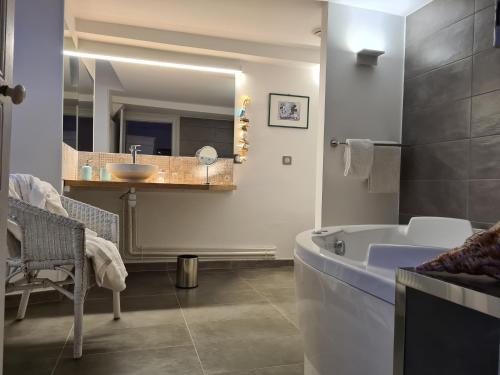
86	172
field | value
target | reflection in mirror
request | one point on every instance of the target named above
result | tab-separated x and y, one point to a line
172	111
78	105
207	155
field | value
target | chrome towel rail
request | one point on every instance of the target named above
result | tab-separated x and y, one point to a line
335	142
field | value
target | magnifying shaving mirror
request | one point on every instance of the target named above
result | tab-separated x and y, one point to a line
207	155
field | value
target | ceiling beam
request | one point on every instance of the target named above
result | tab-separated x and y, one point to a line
121	50
70	21
194	43
173	106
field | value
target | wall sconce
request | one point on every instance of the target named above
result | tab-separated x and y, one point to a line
244	124
369	57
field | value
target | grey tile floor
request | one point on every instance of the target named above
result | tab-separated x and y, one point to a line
235	323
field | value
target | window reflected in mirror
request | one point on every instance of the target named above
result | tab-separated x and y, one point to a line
155	138
78	105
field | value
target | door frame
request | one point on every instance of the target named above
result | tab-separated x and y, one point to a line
7	12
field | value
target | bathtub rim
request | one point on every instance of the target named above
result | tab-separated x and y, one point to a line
353	273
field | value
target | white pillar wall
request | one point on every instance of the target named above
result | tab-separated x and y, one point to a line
361	102
36	146
105	80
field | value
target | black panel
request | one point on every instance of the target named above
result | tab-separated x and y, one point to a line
444	338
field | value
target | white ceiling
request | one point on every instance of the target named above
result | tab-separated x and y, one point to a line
287	22
265	22
398	7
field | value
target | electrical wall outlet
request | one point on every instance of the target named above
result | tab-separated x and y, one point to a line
286	160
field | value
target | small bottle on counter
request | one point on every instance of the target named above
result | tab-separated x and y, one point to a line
104	174
86	172
160	177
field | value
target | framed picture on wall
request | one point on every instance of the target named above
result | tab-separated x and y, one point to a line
289	111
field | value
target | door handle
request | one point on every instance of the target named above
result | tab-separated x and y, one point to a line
16	94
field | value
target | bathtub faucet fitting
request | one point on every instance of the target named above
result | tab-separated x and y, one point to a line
339	247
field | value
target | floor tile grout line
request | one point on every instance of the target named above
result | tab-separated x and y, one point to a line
130	296
187	327
142	349
61	353
270	302
277	366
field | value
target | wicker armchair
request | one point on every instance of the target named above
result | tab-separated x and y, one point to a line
55	242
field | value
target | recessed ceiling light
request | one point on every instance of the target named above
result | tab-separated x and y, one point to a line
164	64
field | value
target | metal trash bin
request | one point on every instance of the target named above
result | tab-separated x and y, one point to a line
187	271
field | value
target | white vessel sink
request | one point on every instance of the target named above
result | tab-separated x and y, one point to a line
134	172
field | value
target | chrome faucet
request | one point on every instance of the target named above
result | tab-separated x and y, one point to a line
134	149
339	247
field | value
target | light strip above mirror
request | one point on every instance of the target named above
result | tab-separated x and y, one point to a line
164	64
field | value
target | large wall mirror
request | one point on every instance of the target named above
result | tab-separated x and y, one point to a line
172	111
167	111
78	104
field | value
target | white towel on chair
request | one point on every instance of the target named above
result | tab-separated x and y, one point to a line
358	157
384	177
108	266
36	192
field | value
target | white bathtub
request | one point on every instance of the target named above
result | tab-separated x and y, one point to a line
346	302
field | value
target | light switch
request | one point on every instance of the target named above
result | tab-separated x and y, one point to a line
287	160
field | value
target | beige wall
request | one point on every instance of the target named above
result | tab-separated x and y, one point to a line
273	202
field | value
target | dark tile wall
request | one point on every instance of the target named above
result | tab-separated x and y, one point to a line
451	113
196	133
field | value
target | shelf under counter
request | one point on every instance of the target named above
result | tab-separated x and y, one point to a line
109	185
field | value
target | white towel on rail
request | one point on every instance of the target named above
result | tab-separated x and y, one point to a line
384	177
358	158
108	266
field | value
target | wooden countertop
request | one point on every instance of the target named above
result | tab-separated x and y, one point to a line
145	185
